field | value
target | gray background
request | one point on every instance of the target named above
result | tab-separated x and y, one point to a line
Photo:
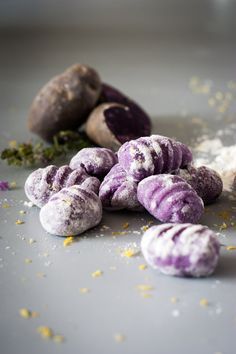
150	50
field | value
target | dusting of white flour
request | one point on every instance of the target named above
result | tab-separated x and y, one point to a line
221	158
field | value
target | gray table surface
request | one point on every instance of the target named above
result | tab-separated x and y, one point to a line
156	72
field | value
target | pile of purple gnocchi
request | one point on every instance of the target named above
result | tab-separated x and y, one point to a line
152	173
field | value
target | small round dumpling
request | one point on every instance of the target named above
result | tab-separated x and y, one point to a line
96	161
71	211
181	249
42	183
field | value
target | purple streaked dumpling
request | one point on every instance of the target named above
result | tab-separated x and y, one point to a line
153	155
71	212
118	192
181	249
170	198
42	183
204	180
96	161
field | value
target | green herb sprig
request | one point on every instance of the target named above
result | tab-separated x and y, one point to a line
39	154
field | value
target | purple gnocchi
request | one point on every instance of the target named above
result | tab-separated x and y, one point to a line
44	182
96	161
170	198
71	211
206	182
181	249
118	192
153	155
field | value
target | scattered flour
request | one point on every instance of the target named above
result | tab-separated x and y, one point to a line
214	154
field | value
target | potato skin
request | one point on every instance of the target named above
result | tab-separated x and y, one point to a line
65	101
97	130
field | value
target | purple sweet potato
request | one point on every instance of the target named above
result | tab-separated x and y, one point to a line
112	124
65	101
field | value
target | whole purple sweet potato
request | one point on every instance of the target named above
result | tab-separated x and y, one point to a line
116	120
65	101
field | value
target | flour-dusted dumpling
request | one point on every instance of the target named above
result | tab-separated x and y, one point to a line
170	198
71	211
152	155
118	192
96	161
181	249
206	182
44	182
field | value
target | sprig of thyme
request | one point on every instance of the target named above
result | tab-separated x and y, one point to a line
31	154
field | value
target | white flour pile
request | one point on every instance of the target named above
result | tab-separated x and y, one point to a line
221	158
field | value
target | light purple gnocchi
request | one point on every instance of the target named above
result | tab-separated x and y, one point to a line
153	155
118	192
96	161
71	211
181	249
205	181
44	182
169	198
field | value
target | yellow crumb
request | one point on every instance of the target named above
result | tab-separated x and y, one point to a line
223	226
129	252
84	290
97	273
31	241
231	248
173	300
45	332
145	227
204	302
145	287
12	144
58	338
119	338
25	313
118	233
125	225
68	241
5	205
142	267
28	260
13	185
19	222
146	295
22	212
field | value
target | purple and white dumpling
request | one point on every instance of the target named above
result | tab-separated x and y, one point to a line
44	182
96	161
170	198
118	192
181	249
153	155
71	211
205	181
